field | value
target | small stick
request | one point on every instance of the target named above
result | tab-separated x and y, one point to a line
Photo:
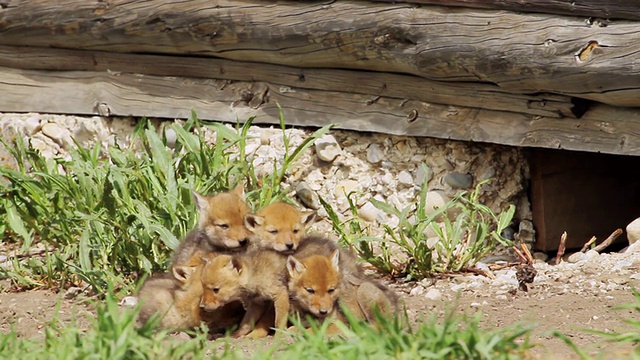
561	248
522	257
586	246
527	253
614	235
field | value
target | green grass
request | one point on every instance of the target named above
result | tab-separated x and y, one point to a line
474	232
113	334
110	215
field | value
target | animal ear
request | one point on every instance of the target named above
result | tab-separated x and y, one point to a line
251	221
182	273
239	190
235	264
335	260
307	218
294	266
202	203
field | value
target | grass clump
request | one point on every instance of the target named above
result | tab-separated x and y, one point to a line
466	231
108	215
454	337
111	334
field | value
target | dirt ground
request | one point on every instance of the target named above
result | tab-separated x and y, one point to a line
29	312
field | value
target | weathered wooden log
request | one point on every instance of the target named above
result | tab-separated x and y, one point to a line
520	53
375	84
598	10
602	129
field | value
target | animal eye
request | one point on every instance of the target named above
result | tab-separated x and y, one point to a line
310	291
273	232
330	291
216	290
223	226
295	231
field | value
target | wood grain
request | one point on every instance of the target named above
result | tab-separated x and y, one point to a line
602	129
597	9
519	53
375	84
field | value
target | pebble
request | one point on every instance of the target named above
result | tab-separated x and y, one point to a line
345	187
418	290
308	197
405	178
171	137
32	125
576	257
433	294
436	199
423	174
633	231
56	133
458	181
375	154
128	301
327	148
368	212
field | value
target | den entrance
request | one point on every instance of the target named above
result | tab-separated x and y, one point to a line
584	194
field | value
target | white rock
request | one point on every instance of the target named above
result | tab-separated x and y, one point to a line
128	301
369	212
435	200
423	175
433	294
32	125
345	187
622	264
577	257
57	133
432	242
375	154
592	254
418	290
171	137
327	148
633	231
405	178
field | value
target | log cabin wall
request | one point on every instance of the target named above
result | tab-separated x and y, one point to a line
543	74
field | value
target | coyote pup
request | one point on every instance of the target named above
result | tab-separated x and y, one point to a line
278	227
220	228
257	278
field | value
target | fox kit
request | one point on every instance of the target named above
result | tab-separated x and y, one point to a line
220	228
176	297
278	227
314	244
321	271
314	284
257	278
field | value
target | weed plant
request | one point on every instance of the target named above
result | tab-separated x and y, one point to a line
466	232
109	215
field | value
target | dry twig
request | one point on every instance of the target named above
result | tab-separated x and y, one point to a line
561	248
586	246
614	235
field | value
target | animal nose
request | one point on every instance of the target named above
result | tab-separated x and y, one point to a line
289	246
243	242
323	311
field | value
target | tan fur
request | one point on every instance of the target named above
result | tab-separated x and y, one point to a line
176	298
220	227
358	293
314	284
256	278
312	245
278	227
